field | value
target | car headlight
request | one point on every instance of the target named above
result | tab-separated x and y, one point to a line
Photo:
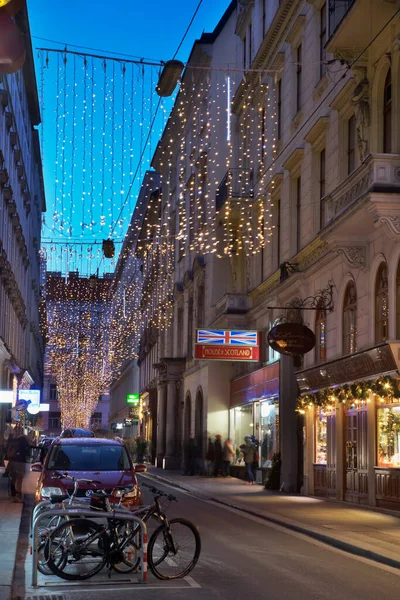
131	494
50	491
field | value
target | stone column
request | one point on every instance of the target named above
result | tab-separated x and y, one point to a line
288	425
171	460
161	422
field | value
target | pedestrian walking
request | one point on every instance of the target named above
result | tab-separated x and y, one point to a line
191	463
210	457
249	452
228	456
219	455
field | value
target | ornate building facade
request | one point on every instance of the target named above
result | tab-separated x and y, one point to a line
22	203
280	179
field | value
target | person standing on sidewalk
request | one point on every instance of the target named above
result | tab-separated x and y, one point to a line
219	456
19	453
249	452
228	455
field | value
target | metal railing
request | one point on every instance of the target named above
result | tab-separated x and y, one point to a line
39	515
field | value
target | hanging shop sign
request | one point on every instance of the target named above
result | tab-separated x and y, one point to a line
227	345
294	339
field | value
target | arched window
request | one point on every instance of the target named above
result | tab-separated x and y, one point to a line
381	305
398	302
387	113
320	335
350	320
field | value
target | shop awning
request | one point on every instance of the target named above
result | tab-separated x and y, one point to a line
379	360
263	383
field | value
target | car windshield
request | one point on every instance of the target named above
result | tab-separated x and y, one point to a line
80	457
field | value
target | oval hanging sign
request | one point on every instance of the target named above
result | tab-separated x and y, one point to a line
293	339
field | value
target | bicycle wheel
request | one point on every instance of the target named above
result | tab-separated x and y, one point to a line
44	532
59	558
83	544
173	552
129	544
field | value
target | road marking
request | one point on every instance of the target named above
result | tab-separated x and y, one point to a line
281	528
192	582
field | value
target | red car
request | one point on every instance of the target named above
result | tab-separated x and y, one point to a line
100	459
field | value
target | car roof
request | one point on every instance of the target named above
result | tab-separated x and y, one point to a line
89	441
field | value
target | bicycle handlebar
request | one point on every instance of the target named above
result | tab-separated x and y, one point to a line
68	476
156	492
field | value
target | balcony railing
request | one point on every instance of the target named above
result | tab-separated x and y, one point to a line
236	185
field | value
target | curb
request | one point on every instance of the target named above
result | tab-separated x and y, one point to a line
321	537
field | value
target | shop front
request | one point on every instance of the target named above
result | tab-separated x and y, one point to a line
254	410
352	428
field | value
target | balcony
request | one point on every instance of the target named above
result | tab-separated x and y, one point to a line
233	303
378	177
237	185
354	23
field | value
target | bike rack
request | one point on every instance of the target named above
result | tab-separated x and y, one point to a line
36	518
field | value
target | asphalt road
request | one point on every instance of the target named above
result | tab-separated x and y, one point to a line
242	557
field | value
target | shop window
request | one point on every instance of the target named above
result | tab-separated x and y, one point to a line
350	320
242	426
389	437
269	431
320	335
321	438
381	305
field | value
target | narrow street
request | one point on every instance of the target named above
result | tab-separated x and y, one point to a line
242	557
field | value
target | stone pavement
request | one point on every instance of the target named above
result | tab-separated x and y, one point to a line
10	520
371	533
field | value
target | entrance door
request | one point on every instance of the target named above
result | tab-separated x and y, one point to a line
356	465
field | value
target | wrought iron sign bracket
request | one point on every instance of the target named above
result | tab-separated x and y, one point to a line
323	300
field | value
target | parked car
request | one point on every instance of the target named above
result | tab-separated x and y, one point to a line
100	459
76	432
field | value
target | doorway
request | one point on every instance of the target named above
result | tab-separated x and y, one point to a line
355	456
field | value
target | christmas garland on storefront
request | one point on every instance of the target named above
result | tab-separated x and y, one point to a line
384	387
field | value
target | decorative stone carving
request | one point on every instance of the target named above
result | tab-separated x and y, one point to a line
355	256
335	205
392	224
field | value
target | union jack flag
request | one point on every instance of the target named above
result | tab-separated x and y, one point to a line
223	337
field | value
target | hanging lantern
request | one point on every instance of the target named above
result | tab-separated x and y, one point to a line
12	45
108	248
11	7
169	77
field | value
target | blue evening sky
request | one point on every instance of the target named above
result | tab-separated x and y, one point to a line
149	30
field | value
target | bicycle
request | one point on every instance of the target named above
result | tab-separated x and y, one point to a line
65	500
87	546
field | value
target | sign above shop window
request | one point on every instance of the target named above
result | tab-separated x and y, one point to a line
294	339
227	345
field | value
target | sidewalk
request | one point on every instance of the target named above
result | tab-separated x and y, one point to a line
10	520
366	532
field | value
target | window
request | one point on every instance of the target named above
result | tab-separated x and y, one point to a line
398	302
269	431
96	419
322	40
389	436
321	438
250	43
181	237
200	306
278	231
179	331
190	328
299	98
89	457
351	144
53	391
381	305
264	16
190	192
320	335
279	109
244	52
387	114
242	425
263	116
54	420
350	320
322	169
298	214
